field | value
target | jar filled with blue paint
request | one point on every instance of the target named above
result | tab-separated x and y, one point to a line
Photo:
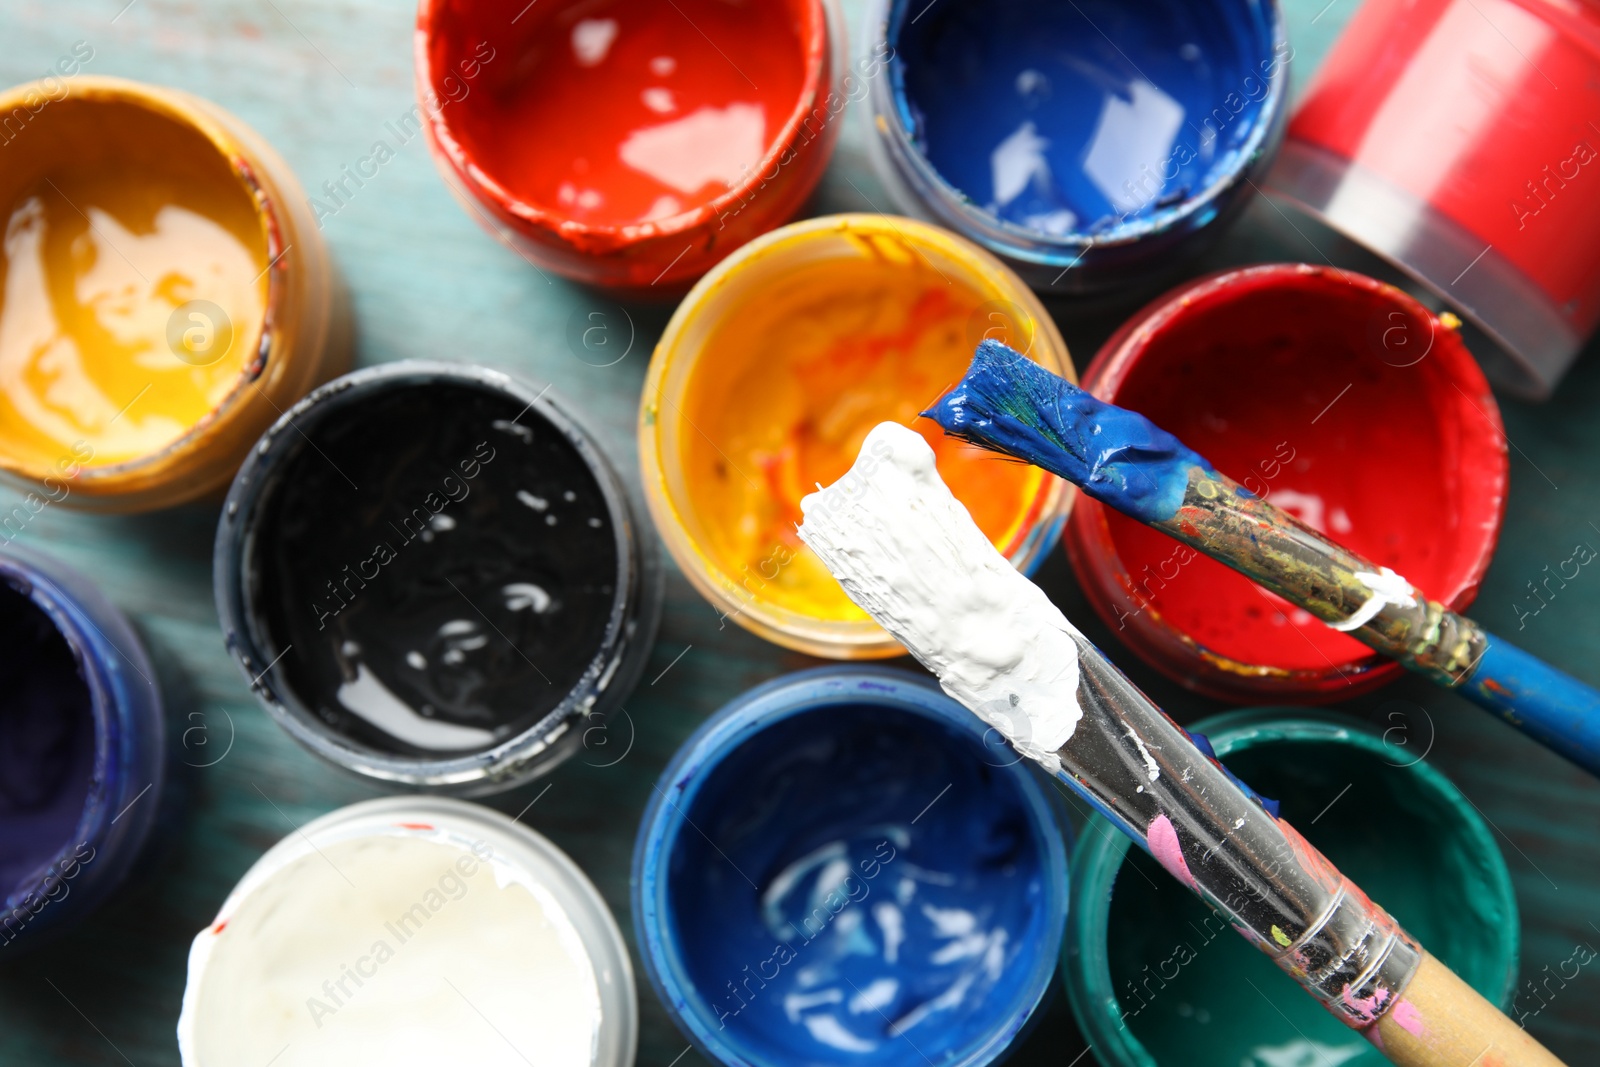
842	866
83	756
1091	145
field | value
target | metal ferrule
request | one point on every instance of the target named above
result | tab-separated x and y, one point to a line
1224	520
1136	765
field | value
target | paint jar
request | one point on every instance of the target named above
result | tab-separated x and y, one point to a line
167	294
1454	139
843	867
83	755
770	375
1342	401
1156	979
411	930
432	577
628	144
1090	145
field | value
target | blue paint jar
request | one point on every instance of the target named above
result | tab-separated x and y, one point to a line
1088	144
82	749
843	866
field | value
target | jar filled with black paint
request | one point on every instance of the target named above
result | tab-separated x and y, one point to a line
433	577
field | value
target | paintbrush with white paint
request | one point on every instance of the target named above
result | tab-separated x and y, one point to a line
909	555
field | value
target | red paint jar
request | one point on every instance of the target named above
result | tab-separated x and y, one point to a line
628	143
1338	398
1460	141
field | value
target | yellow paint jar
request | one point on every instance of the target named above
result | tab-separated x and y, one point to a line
165	295
771	373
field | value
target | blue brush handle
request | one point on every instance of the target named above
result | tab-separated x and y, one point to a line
1552	707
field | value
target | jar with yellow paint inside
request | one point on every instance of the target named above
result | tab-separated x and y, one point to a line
767	381
166	294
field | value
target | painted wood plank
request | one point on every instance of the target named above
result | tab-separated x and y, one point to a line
322	79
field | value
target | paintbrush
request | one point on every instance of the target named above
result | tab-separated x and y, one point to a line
1010	404
910	555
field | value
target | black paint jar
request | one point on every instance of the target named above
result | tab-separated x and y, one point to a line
433	577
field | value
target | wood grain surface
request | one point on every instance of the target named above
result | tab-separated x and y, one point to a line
319	78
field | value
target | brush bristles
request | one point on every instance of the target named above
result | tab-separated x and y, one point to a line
1009	404
908	554
1004	387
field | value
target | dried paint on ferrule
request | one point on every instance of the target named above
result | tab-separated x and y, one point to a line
1353	956
1349	593
1142	770
1155	977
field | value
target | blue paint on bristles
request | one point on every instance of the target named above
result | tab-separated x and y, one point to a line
1010	404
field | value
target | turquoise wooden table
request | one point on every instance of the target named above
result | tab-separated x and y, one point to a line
319	78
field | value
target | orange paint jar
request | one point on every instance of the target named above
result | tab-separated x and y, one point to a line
166	295
772	372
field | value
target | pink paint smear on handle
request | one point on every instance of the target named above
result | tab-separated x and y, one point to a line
1408	1018
1366	1008
1164	847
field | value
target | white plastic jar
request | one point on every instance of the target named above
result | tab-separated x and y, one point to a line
411	930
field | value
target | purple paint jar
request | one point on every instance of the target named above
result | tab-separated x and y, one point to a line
82	749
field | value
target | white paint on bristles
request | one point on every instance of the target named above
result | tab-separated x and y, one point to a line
909	555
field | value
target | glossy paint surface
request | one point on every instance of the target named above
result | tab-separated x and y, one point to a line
1079	118
831	910
47	745
628	144
83	757
441	274
1121	459
134	294
398	928
368	947
1338	400
787	387
459	593
626	111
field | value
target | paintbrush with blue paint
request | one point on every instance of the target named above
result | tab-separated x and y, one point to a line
1012	405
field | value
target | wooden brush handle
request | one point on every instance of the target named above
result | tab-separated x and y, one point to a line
1440	1021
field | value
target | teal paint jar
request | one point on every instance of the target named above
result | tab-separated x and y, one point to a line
1156	979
